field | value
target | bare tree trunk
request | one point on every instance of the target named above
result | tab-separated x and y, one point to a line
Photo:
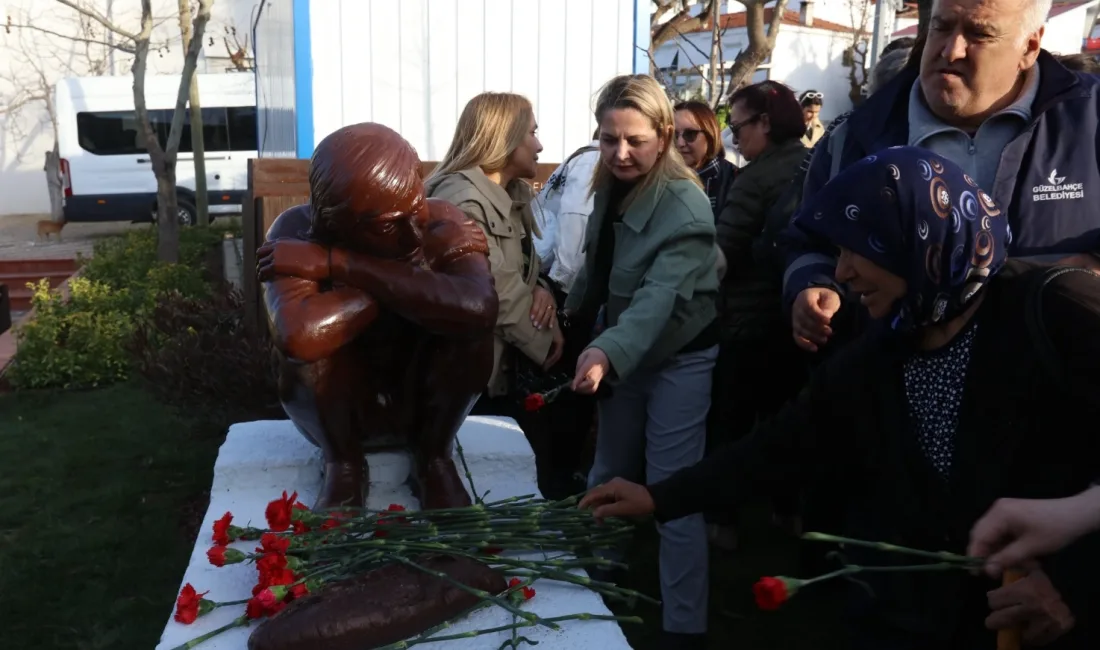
164	167
715	52
198	146
54	184
761	41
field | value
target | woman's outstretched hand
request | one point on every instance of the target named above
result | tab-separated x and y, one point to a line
1015	531
592	367
618	498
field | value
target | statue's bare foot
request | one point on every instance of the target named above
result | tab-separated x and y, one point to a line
441	486
343	486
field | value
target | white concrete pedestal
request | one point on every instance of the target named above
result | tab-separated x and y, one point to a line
261	459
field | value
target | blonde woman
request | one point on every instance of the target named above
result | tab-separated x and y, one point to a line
651	265
484	172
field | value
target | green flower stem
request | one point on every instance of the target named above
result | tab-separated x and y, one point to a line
851	569
466	468
943	556
606	588
230	603
402	645
237	622
484	595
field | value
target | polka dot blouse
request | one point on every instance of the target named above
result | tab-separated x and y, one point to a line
934	383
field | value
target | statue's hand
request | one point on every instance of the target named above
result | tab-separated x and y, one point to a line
447	240
293	257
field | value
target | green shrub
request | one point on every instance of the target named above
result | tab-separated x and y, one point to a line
83	341
197	354
75	343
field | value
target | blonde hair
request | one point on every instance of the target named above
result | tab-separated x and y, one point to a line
642	93
491	127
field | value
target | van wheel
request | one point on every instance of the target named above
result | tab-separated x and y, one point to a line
185	212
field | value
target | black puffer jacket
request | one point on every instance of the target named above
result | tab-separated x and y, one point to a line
751	306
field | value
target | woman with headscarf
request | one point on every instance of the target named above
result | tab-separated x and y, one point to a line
947	403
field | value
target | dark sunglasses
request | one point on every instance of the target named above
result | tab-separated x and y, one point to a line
737	126
688	135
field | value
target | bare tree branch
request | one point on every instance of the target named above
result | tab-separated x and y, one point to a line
99	18
855	59
761	40
75	39
657	73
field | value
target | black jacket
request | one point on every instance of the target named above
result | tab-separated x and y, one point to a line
1022	433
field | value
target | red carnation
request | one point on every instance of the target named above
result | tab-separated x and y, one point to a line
216	555
534	402
188	604
253	609
386	521
222	555
272	543
270	563
528	592
221	529
279	512
334	520
771	592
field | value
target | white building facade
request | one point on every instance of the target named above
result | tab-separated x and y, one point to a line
412	65
805	57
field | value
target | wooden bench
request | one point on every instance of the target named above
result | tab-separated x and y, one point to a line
274	185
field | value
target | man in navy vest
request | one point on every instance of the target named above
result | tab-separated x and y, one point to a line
987	97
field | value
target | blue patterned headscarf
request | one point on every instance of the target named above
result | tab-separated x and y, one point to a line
920	217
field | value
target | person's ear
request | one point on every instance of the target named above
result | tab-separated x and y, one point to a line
1032	45
665	138
765	123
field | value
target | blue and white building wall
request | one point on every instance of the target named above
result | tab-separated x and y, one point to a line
413	64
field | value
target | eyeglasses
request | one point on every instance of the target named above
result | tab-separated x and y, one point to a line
813	95
737	126
688	135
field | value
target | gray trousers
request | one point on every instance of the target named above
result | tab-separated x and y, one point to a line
652	425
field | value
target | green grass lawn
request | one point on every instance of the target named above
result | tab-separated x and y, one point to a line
98	491
810	621
101	491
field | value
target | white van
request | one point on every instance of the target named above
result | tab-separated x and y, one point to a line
105	167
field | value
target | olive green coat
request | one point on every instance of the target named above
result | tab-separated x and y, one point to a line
506	218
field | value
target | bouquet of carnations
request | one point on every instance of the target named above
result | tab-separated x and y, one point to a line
511	543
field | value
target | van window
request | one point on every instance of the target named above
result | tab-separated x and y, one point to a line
116	133
112	133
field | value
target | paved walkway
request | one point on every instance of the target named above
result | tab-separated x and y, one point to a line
19	237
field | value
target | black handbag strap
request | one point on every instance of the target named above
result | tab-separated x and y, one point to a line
1047	353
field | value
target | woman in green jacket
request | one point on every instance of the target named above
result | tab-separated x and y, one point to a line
650	267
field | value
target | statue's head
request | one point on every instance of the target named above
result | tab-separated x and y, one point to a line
365	192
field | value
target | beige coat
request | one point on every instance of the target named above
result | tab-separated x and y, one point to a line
506	218
813	134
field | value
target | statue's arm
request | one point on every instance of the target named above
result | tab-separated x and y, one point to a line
308	324
455	299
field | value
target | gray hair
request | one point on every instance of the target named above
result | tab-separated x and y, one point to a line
888	67
1035	16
